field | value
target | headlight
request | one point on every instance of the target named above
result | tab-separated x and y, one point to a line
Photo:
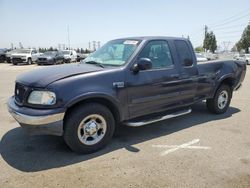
42	97
23	57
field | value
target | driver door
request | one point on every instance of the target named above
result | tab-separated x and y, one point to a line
156	89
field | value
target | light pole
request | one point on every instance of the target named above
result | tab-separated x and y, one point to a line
68	37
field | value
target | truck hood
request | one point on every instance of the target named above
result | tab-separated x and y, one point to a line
19	54
45	76
46	56
66	55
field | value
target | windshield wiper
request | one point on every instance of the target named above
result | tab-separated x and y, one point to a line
94	63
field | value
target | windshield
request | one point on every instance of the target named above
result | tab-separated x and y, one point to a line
66	52
114	53
50	53
23	51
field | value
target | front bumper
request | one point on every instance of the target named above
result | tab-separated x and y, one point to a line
38	121
16	60
45	62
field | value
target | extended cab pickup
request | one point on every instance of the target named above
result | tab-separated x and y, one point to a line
130	81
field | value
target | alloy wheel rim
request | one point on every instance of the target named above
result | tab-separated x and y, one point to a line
92	129
222	100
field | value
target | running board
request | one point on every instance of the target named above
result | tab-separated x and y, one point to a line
141	123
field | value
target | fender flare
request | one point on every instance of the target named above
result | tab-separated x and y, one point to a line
94	95
221	79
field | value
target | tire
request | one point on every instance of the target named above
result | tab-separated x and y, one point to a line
29	61
78	124
221	101
247	62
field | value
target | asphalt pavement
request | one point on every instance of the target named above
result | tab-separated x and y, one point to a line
196	150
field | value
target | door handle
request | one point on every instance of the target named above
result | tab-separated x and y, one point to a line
174	76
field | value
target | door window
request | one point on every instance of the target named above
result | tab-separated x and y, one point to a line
159	53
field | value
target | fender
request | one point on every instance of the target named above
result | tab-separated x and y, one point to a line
229	75
221	79
92	95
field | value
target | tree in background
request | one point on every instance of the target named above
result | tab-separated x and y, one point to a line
87	51
209	42
244	42
206	39
213	42
199	49
42	50
50	48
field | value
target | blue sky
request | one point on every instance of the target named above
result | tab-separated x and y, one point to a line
44	23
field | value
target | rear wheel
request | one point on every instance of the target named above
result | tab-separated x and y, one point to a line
88	128
221	101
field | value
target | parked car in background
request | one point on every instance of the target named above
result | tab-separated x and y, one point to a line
3	55
8	55
70	56
81	56
50	58
27	56
236	56
245	58
200	57
210	56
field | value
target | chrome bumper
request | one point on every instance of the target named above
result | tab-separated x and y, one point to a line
38	121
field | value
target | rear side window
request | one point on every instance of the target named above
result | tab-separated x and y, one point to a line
184	53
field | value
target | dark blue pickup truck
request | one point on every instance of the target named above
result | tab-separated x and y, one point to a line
130	81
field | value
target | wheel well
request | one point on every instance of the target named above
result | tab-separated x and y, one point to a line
228	81
114	110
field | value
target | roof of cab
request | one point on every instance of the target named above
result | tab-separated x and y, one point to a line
152	38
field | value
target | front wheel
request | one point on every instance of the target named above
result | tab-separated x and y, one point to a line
29	61
88	128
221	101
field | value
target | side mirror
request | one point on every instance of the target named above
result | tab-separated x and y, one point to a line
142	64
188	62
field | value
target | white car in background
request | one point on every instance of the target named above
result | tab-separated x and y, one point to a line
200	57
27	56
210	56
70	55
236	56
245	58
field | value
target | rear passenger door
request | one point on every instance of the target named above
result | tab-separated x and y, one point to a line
188	71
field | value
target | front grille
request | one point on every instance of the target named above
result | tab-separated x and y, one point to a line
20	93
17	59
42	59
